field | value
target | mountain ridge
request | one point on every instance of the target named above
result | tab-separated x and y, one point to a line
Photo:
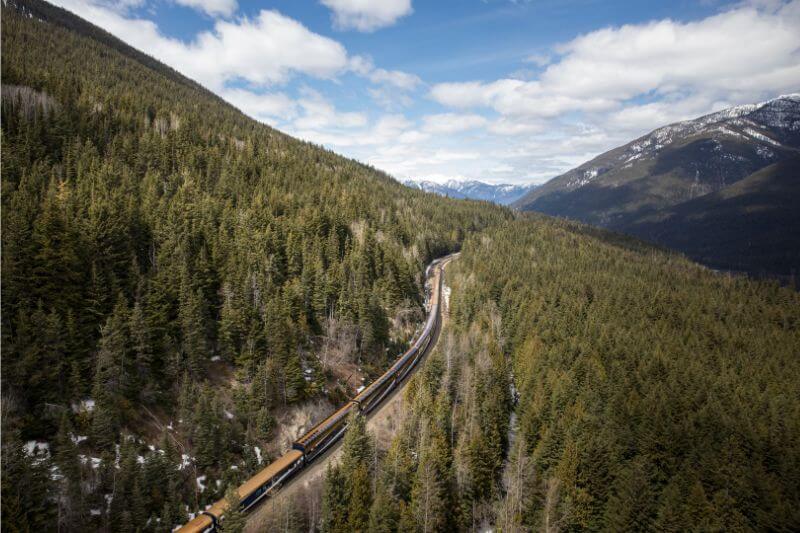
502	193
634	186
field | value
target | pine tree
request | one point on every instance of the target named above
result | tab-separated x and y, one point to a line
142	353
385	512
629	507
196	348
334	501
235	519
359	485
66	459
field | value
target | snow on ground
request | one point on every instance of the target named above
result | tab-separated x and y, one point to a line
185	461
84	406
95	461
258	454
77	439
35	447
201	483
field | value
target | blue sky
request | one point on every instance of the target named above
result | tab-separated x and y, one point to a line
496	90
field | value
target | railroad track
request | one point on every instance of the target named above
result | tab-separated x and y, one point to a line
322	437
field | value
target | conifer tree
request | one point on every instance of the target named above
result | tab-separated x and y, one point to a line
235	519
335	501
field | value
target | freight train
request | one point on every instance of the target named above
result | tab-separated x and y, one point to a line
323	435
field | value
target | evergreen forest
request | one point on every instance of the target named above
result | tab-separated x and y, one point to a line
174	274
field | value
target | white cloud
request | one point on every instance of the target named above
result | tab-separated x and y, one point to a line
262	106
392	87
515	126
212	8
267	49
367	15
319	113
452	122
396	78
540	60
745	51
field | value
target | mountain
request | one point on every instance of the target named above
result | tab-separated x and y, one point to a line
504	194
183	286
719	188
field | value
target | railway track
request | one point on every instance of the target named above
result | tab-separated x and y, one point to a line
320	439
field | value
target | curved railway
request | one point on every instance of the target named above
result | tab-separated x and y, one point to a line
323	435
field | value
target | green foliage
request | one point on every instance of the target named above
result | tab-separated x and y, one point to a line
149	229
348	489
235	520
652	392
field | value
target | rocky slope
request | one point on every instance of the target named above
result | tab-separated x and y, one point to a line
640	187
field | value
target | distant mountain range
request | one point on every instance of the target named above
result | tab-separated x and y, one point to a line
723	188
504	194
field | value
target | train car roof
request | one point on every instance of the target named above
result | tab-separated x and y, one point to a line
197	524
272	469
310	433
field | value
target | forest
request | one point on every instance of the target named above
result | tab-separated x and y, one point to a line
169	268
172	271
588	382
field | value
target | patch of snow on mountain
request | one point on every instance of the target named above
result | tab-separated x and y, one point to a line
761	137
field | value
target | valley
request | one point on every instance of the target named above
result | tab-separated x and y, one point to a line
226	306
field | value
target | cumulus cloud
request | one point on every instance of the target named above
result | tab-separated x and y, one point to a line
452	122
396	78
745	51
391	88
212	8
367	15
265	107
264	50
320	114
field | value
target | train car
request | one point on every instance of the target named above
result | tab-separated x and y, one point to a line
320	437
250	493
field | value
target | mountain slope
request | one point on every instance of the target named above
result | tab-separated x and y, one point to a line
750	226
634	186
184	289
504	194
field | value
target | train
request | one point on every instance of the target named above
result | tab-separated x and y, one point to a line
323	435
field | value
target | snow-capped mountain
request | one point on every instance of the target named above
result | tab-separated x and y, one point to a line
503	194
701	156
652	186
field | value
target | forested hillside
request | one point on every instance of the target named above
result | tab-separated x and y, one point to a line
170	271
589	383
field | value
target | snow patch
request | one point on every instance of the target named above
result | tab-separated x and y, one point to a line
185	461
35	448
761	137
83	406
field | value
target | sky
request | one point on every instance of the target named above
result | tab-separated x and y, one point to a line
500	91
